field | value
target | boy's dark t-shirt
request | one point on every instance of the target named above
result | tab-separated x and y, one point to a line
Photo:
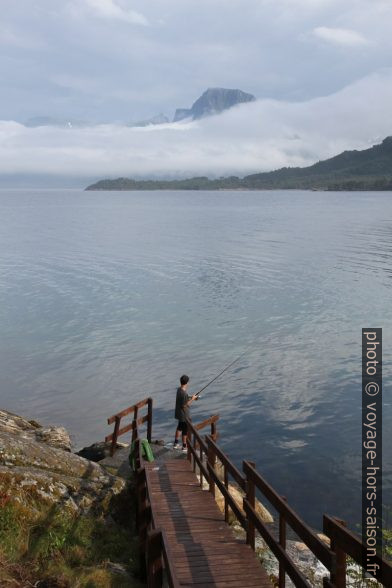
182	411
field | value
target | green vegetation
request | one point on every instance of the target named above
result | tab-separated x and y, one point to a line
370	169
56	548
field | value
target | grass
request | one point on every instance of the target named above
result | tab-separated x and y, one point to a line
53	548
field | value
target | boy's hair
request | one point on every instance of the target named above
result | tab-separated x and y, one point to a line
184	380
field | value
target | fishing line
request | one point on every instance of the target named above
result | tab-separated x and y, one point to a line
222	372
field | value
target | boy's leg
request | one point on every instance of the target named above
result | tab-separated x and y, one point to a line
177	436
184	436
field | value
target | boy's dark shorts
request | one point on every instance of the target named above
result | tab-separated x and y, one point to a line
183	427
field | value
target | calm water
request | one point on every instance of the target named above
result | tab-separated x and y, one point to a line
108	297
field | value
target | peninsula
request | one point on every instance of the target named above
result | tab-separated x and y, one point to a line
369	169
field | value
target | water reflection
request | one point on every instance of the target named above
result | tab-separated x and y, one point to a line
106	298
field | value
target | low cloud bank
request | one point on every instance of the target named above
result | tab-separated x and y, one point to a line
259	136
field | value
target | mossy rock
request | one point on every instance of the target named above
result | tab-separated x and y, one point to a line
64	521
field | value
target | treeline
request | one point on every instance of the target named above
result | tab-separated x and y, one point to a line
370	169
233	183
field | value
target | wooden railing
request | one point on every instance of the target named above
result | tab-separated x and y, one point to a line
197	447
287	516
136	421
203	453
155	558
344	543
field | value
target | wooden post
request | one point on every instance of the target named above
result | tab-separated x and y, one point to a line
115	435
211	458
134	431
339	577
188	453
138	465
134	423
149	422
139	481
154	560
251	497
213	431
226	480
142	519
282	542
201	473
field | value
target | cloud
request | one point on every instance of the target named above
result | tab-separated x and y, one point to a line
263	135
344	37
110	9
142	70
19	39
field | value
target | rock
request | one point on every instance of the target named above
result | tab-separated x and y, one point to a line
302	557
238	497
15	424
63	518
35	424
301	546
117	568
213	101
324	538
95	452
54	436
182	113
35	471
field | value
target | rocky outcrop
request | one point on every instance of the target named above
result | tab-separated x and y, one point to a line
182	113
64	520
54	436
36	465
213	101
158	119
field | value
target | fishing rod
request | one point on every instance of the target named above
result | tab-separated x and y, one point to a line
220	373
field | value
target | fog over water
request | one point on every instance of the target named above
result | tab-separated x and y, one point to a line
258	136
106	298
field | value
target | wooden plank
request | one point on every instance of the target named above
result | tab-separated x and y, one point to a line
204	550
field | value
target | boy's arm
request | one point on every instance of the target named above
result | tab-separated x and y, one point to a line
192	398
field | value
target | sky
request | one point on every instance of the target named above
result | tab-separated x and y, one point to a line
321	71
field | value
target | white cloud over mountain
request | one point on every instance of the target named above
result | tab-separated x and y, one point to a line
321	70
140	58
263	135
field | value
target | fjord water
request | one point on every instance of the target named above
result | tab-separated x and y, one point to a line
108	297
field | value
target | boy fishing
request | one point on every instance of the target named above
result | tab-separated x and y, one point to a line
183	402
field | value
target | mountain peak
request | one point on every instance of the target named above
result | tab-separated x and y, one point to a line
213	101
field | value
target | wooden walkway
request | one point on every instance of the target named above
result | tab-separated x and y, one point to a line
203	549
185	541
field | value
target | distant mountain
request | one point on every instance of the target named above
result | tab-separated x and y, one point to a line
159	119
369	169
213	101
49	121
